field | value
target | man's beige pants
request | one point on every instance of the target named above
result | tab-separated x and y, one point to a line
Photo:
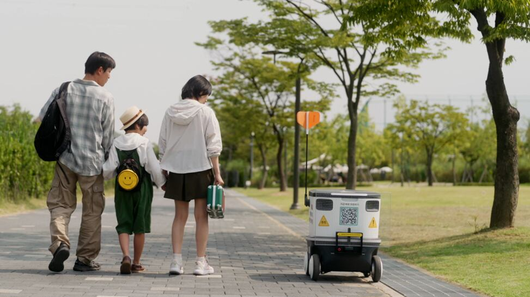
62	202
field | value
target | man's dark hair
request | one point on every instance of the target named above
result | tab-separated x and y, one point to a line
141	122
99	59
196	87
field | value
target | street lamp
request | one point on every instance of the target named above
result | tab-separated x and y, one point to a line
296	162
274	53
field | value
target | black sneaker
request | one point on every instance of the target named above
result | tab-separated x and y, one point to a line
80	266
61	254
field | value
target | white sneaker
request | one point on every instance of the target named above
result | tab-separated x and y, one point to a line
176	268
202	267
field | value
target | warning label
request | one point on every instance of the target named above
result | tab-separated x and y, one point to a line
323	222
373	223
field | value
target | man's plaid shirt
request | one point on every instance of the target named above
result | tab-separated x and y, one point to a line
90	110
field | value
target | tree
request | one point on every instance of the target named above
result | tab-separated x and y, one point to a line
233	108
266	85
326	139
498	21
371	145
299	29
430	127
526	145
524	161
281	34
477	146
357	54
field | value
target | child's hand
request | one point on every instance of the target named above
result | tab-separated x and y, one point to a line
219	180
163	187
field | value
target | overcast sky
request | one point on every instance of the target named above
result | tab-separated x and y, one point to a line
44	43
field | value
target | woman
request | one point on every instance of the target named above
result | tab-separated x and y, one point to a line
190	145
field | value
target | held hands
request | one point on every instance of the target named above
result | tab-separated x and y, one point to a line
166	174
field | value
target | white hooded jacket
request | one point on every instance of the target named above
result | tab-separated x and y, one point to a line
144	148
189	135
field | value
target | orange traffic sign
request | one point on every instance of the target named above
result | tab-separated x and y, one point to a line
308	119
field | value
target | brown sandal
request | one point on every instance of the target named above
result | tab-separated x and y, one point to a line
137	268
125	267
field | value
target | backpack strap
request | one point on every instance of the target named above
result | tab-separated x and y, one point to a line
130	154
61	103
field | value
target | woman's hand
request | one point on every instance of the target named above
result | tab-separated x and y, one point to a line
219	180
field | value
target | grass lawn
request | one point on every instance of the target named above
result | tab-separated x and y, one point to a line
444	230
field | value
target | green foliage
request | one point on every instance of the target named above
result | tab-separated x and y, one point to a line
427	127
22	174
371	145
477	146
328	137
524	153
526	138
255	94
513	16
359	53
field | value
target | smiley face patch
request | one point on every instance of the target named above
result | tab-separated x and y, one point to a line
128	179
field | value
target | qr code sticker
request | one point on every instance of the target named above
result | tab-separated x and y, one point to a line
349	216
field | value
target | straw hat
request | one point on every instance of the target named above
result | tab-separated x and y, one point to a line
131	115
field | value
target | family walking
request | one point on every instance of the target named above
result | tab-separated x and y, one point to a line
189	148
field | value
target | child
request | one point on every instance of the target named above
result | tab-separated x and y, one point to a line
190	145
133	207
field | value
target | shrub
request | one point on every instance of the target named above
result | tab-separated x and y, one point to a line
22	173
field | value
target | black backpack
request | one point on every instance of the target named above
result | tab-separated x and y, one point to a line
129	173
54	136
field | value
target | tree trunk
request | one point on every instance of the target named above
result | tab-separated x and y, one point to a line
429	167
505	117
454	171
281	171
264	171
506	176
351	180
484	172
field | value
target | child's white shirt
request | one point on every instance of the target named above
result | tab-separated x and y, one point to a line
144	148
189	136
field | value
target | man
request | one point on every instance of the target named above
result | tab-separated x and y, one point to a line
90	111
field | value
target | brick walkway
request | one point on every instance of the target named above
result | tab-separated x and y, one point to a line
256	251
253	254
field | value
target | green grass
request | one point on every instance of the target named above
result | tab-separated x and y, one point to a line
444	230
493	262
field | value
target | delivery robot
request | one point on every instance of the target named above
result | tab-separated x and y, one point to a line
343	233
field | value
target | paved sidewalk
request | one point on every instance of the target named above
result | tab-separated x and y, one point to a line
253	254
401	278
256	250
